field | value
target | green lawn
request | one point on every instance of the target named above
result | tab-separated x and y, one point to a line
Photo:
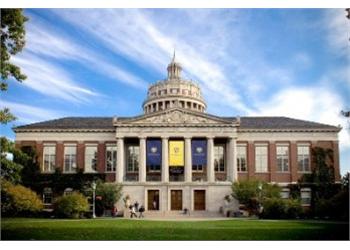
124	229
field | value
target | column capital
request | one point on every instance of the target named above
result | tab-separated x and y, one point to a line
165	137
119	137
143	137
187	137
210	137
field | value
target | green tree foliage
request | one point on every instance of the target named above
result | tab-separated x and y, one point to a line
110	194
18	200
12	42
251	193
277	208
11	170
71	206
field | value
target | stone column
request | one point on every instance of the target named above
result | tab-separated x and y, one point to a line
142	159
232	161
165	166
120	160
210	161
188	160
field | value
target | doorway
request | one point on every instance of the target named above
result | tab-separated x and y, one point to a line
153	200
199	199
176	199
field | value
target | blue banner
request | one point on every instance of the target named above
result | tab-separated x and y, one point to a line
199	152
154	152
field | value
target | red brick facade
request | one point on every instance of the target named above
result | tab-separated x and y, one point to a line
271	176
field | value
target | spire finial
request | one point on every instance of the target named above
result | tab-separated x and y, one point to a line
173	56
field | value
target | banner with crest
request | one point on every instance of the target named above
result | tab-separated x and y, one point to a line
154	152
199	152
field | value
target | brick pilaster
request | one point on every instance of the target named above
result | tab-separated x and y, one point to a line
272	161
251	160
59	155
293	159
81	155
101	160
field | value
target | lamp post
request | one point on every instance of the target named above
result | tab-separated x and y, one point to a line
93	185
260	190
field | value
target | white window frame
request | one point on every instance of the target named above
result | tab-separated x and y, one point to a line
72	160
305	196
261	160
284	168
47	191
90	158
285	191
52	158
134	162
221	168
242	155
305	168
113	160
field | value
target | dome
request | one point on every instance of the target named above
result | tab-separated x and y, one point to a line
174	92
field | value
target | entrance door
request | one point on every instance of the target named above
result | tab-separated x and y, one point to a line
176	199
199	199
153	199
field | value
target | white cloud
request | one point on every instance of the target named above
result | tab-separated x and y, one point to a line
51	80
312	104
30	114
47	40
338	27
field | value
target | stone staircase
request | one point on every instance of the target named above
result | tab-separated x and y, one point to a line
181	215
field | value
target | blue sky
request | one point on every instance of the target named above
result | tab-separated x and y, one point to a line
99	62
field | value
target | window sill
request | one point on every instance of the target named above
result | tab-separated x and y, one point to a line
304	172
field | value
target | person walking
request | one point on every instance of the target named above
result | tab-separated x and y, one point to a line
132	212
141	210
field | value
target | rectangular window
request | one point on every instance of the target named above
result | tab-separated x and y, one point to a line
304	158
241	158
197	168
219	158
111	158
132	158
285	193
261	159
70	155
49	158
90	159
282	158
305	195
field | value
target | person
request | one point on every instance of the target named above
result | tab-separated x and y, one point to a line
132	211
141	210
136	206
154	205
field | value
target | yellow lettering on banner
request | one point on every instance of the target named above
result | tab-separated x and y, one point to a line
176	153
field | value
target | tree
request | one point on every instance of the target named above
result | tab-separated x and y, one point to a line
110	194
12	42
11	170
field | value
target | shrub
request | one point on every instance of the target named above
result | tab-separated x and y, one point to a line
71	206
277	208
293	209
273	208
19	200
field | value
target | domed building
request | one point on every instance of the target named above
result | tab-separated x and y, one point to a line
177	157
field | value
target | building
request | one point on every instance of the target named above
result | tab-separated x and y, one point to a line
175	155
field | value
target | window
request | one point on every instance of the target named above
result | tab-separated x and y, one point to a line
174	91
197	168
47	198
241	158
305	195
111	158
154	168
260	159
132	158
90	159
49	158
70	164
68	191
282	158
219	156
285	193
304	158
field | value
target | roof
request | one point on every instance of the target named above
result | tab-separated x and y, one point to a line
246	123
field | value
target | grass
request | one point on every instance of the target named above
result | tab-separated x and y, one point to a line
124	229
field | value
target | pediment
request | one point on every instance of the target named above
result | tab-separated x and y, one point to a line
177	116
